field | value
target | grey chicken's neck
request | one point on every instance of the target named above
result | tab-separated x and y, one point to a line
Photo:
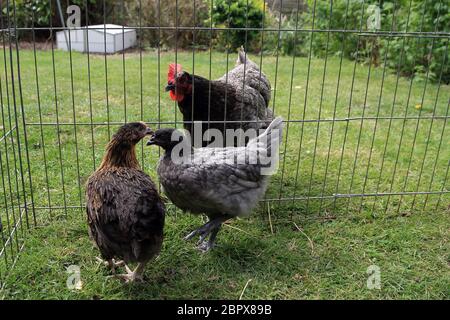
168	151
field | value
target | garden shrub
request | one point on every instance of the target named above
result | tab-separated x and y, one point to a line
236	14
345	15
39	13
287	42
418	53
415	56
412	56
165	14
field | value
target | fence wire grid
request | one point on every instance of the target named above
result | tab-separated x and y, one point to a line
360	138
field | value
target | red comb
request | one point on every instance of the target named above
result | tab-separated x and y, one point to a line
174	68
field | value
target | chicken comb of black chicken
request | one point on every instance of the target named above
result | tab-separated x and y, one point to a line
220	182
124	210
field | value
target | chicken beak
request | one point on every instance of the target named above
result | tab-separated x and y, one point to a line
170	87
148	131
151	141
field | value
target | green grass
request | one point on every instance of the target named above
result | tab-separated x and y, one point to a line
407	237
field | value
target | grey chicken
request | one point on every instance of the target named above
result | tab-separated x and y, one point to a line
125	212
222	183
240	97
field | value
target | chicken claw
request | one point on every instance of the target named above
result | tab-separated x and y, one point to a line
210	228
111	264
204	230
132	276
205	246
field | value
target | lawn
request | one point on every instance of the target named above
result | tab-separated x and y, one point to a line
309	248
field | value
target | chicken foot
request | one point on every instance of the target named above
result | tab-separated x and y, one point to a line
204	245
130	276
133	276
111	264
210	228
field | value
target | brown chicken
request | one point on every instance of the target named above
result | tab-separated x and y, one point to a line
240	97
125	212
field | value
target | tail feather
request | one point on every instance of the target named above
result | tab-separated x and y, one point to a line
267	145
275	126
272	135
242	56
277	123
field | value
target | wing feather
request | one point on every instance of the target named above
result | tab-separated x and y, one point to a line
125	214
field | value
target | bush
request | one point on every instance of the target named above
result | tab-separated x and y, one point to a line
420	54
164	13
39	13
342	17
412	56
353	16
236	14
289	42
25	11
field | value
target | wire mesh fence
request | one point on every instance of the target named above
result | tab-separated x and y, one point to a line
362	136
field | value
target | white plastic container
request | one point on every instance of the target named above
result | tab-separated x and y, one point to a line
92	38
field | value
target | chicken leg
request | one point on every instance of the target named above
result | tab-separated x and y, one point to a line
210	228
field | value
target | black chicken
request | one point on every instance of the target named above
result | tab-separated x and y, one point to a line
125	212
222	183
240	97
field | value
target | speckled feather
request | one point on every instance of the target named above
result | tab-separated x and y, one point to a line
125	214
209	184
124	210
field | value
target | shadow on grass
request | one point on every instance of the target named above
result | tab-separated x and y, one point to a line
198	275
